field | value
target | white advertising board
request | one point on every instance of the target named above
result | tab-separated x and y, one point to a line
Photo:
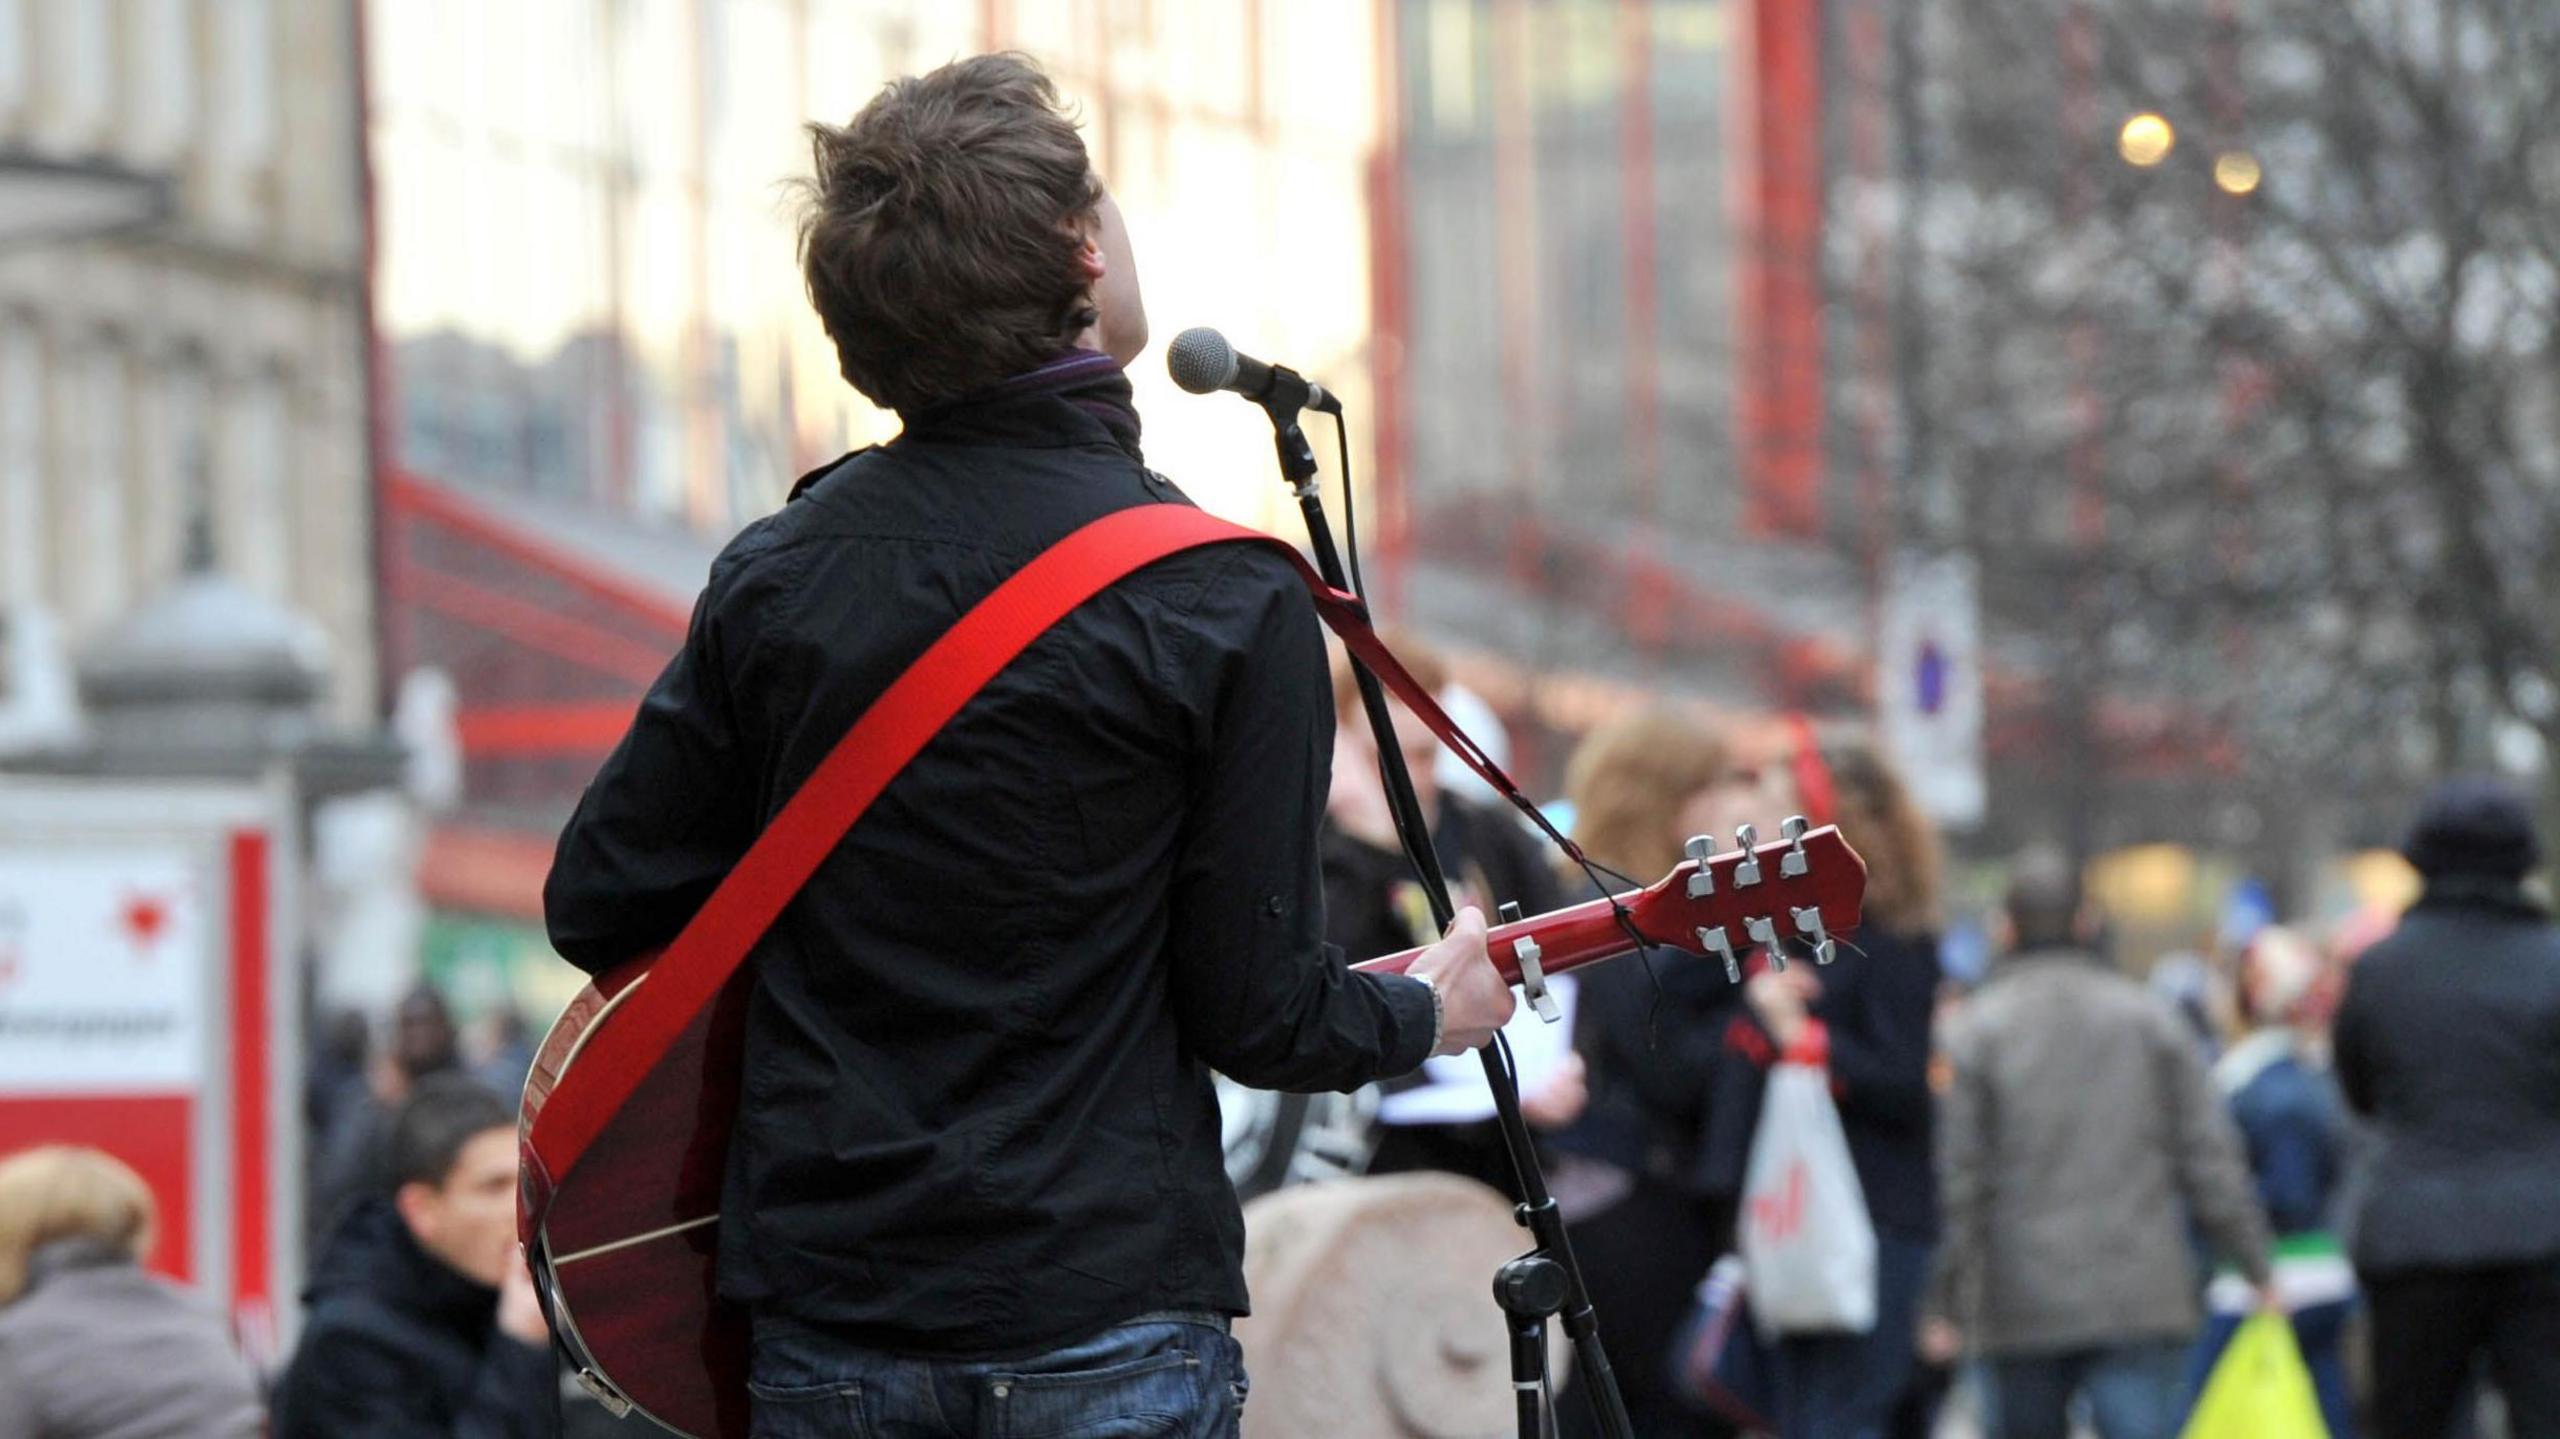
103	965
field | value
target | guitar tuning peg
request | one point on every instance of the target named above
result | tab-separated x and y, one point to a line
1747	873
1795	863
1764	933
1715	941
1702	848
1809	924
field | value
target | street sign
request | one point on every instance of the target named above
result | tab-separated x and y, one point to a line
1929	686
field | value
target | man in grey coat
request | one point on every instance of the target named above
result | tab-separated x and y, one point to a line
2080	1134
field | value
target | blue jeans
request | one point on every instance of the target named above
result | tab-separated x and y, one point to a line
2135	1391
1178	1376
1844	1386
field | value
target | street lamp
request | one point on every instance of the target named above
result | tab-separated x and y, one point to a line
2237	172
2145	140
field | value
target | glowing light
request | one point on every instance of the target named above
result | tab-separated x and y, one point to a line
2237	172
2146	140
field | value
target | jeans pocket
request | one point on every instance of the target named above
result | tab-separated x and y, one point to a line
1155	1397
805	1411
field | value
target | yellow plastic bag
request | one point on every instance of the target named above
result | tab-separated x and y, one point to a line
2259	1388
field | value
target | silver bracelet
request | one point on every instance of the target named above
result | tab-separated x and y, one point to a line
1439	1017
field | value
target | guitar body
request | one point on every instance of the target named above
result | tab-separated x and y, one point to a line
623	1245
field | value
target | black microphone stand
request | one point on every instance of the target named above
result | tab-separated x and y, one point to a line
1546	1281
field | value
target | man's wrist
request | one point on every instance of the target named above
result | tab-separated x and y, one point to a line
1439	1013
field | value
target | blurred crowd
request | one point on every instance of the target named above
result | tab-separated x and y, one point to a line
2079	1185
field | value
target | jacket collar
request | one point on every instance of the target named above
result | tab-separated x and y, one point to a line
2041	958
373	1253
1081	397
2480	891
65	1256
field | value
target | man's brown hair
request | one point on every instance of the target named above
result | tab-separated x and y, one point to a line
939	236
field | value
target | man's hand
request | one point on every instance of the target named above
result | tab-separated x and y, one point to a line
1474	1002
519	1311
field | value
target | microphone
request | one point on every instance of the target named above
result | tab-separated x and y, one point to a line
1201	361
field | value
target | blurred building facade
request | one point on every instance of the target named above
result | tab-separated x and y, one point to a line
1605	466
182	326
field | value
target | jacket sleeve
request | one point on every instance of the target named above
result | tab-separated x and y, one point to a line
2350	1056
2211	1168
1670	1058
1257	992
1964	1168
666	817
1880	1038
19	1419
2290	1154
359	1382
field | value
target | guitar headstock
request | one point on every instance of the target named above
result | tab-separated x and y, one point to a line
1801	889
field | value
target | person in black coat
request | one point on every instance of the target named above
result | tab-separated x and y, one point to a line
1374	906
2449	1039
1650	1033
423	1320
1867	1015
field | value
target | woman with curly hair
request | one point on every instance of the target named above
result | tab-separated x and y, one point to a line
1646	1230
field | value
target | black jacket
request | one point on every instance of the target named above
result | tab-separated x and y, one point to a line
398	1346
1877	1003
977	1116
1653	1057
2449	1038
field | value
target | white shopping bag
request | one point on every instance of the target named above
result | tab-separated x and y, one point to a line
1807	1245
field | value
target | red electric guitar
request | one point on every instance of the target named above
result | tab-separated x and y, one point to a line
621	1227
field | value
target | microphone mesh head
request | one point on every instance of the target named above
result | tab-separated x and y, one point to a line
1201	360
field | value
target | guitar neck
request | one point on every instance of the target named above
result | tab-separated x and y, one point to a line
1567	939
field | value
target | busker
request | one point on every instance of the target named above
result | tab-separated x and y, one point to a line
977	1182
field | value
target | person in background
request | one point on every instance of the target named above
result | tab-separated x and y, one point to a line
91	1347
353	1162
2293	1126
505	1049
335	1080
423	1320
1867	1016
2079	1133
1651	1055
1374	906
2449	1038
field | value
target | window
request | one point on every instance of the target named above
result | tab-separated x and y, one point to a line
244	39
97	480
160	73
13	57
22	516
253	488
77	69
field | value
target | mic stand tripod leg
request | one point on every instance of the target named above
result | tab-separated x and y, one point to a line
1538	1210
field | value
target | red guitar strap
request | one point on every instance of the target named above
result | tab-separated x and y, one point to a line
692	970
